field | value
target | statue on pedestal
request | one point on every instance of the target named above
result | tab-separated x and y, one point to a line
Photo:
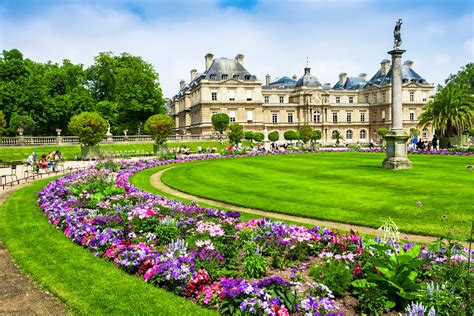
397	36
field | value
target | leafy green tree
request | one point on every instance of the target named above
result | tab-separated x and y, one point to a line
414	132
451	111
131	83
220	122
235	133
21	121
248	135
3	123
316	135
159	126
274	136
471	132
290	135
109	111
89	127
305	133
258	137
337	136
382	132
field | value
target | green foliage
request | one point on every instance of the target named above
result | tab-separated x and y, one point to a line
471	132
235	133
442	298
166	231
258	137
159	126
397	274
255	266
414	132
290	135
109	111
337	136
3	123
89	127
220	122
316	135
371	299
305	133
248	135
21	121
382	132
274	136
334	274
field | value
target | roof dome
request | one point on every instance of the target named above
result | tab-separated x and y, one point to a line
308	80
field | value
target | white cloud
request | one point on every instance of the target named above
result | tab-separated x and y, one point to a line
275	38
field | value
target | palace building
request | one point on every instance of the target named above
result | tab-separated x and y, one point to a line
354	106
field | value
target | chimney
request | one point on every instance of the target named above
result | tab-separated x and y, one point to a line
240	59
181	85
363	76
193	74
268	79
295	77
384	66
208	58
342	78
408	63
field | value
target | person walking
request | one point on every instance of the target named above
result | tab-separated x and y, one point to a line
434	141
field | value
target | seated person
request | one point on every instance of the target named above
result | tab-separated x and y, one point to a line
31	161
43	163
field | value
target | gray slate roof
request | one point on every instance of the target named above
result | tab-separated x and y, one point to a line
408	75
352	83
230	67
308	80
283	82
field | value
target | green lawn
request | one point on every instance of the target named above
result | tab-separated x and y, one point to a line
86	284
71	151
344	187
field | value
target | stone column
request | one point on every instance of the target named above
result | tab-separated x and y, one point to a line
396	138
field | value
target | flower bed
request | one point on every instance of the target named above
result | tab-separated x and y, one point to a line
424	152
248	267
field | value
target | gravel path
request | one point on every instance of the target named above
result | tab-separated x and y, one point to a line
155	180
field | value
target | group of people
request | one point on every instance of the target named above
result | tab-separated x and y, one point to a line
418	144
46	162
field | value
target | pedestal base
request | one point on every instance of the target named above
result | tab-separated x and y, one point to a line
396	152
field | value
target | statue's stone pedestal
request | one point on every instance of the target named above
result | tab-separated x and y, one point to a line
396	151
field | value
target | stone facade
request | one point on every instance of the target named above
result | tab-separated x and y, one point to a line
354	106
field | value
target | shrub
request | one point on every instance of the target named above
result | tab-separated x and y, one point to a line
166	230
441	298
235	133
382	132
333	274
255	266
316	135
290	135
305	133
248	135
159	126
220	122
274	136
471	132
372	300
258	137
89	127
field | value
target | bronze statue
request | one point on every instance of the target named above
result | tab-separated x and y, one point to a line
397	34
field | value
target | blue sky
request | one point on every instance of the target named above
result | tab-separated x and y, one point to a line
275	36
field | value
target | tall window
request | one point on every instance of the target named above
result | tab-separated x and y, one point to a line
383	96
362	134
374	115
214	96
224	77
282	99
338	99
412	96
232	116
351	99
274	118
362	116
366	98
266	99
424	96
349	117
317	117
232	95
412	115
290	117
375	97
334	117
348	134
383	115
248	95
249	116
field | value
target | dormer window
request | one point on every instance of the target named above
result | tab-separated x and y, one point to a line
224	77
212	77
236	77
247	77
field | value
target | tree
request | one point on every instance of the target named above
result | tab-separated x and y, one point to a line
316	135
305	132
290	135
89	127
274	136
337	136
248	135
451	111
109	111
414	132
258	137
21	121
160	127
235	133
3	123
471	132
220	122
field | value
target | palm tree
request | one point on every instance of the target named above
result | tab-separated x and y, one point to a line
337	136
451	111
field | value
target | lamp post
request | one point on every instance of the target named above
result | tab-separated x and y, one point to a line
396	138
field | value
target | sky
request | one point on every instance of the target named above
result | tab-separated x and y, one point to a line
276	36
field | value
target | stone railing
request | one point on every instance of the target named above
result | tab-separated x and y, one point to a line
73	140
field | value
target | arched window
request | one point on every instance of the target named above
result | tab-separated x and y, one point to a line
316	117
348	134
362	134
235	76
224	77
